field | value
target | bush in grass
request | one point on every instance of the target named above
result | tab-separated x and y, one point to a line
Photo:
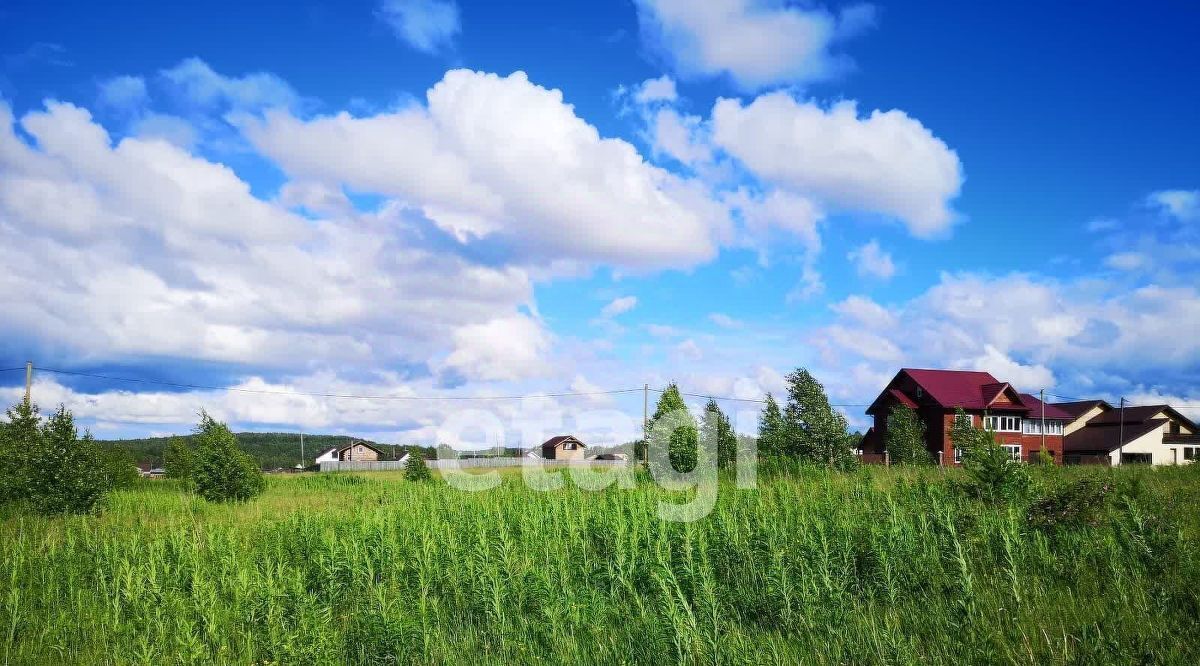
1076	505
416	469
48	465
221	471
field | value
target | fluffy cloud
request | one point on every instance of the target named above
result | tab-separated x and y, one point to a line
508	348
425	25
757	43
1125	261
200	84
140	249
725	321
1033	332
886	163
619	306
652	91
123	92
1182	204
870	260
502	159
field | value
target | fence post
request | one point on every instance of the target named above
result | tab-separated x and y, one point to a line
941	459
887	459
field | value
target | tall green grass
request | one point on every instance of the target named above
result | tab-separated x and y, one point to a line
877	566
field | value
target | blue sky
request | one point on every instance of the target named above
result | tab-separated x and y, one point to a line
435	198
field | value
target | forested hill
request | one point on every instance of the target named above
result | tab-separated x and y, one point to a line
271	449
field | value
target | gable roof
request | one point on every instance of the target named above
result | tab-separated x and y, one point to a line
1052	411
1139	414
953	388
902	399
1106	438
554	442
1080	407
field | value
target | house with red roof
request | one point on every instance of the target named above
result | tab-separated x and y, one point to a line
1023	424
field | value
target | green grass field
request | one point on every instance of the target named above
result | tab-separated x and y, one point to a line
875	566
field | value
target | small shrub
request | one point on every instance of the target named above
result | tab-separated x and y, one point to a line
992	475
222	472
1076	505
416	469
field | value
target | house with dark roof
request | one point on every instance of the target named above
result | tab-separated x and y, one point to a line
354	451
1023	424
1148	434
563	447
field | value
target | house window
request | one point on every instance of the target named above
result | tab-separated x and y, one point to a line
569	446
1002	423
958	454
1034	427
1190	452
1014	451
1137	459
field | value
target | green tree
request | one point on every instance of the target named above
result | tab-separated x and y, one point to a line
992	474
717	428
179	460
814	430
119	468
683	440
772	431
65	473
222	472
415	468
19	433
905	439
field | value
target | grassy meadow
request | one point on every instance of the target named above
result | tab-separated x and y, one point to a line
874	566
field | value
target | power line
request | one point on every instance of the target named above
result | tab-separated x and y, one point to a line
237	389
754	400
1188	405
12	369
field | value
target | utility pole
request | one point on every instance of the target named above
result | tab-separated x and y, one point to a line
645	421
1043	400
301	449
28	379
1121	435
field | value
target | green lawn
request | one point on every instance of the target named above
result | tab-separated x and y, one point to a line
875	566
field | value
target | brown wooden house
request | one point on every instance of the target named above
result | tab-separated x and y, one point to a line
563	447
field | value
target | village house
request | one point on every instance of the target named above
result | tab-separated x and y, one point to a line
1023	424
352	452
563	447
1151	435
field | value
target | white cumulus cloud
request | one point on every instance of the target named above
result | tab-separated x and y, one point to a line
425	25
886	162
500	157
871	260
619	306
756	43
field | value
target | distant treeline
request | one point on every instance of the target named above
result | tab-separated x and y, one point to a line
272	450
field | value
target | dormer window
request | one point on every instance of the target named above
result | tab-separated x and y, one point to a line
920	392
